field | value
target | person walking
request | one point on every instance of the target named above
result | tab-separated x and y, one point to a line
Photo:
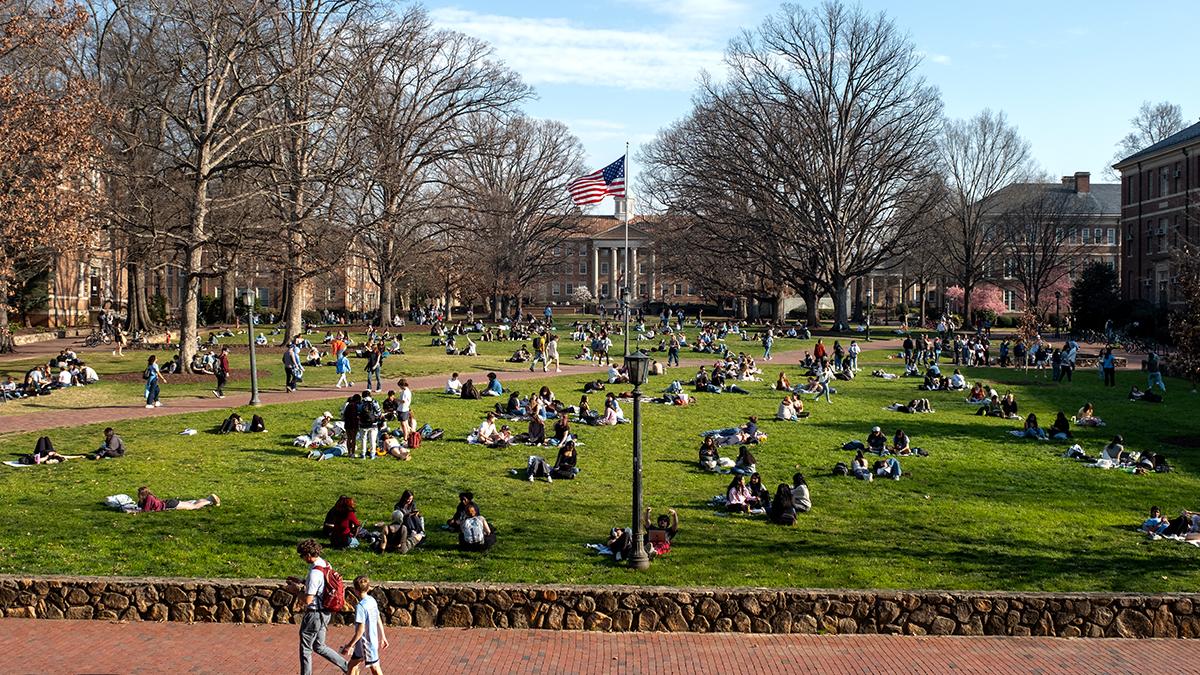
1109	365
539	352
552	353
153	377
312	593
291	367
768	342
1154	373
118	338
369	417
221	370
673	351
342	365
375	367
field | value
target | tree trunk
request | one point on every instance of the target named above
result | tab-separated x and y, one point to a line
497	305
193	266
924	287
387	294
138	306
841	304
228	297
966	305
811	314
3	304
780	313
293	310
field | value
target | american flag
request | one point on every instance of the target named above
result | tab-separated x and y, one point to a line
593	187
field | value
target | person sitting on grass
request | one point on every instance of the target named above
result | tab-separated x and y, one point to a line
487	434
512	406
460	512
1086	417
147	502
474	532
859	468
900	443
612	410
565	465
877	441
737	495
519	356
782	383
1156	523
453	386
112	447
781	510
1032	429
1008	405
801	500
392	446
978	393
993	408
661	532
407	528
494	388
760	497
1114	451
341	524
1061	429
957	381
537	431
745	464
916	405
615	376
709	456
787	409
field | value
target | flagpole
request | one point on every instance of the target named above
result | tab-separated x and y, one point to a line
625	292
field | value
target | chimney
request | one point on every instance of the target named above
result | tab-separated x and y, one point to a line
1083	182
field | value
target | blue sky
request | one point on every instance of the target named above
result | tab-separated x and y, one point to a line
1069	75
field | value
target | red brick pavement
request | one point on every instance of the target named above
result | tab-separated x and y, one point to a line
32	646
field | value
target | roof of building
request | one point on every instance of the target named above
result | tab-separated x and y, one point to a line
1177	138
608	227
1102	199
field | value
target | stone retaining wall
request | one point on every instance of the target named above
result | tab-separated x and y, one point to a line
624	608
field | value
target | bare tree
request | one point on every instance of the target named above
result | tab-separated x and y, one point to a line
420	86
978	157
512	198
1153	123
312	153
825	130
1037	224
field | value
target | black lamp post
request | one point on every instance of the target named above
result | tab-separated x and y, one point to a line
637	366
248	299
1057	314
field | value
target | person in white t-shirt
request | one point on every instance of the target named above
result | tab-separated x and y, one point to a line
368	631
65	379
404	411
453	386
316	618
88	374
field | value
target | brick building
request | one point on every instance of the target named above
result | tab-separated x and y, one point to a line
1160	210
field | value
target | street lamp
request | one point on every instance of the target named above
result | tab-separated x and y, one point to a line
1057	315
248	299
637	366
625	304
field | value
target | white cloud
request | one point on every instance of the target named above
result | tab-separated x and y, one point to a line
694	11
555	51
940	59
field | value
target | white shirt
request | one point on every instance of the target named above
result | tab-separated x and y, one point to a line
405	400
487	429
453	386
90	375
314	583
317	424
64	378
957	380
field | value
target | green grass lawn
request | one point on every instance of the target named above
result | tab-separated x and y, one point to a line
984	511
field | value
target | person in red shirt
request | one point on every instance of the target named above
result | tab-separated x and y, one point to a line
341	524
222	372
148	502
337	346
819	351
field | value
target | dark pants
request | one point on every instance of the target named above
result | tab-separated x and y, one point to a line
290	373
312	639
1110	377
221	377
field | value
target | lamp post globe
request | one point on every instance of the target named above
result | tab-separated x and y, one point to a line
637	366
248	298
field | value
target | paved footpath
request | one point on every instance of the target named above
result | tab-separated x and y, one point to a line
33	646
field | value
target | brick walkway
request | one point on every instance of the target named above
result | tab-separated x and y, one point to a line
33	646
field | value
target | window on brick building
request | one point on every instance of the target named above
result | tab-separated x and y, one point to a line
583	267
604	290
555	289
1164	181
1112	235
570	288
603	268
1010	299
678	289
1087	235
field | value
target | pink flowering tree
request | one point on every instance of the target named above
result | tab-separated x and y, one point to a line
986	299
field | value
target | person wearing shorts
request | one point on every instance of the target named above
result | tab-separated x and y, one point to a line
368	631
404	410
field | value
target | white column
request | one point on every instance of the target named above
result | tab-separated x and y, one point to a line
612	273
634	277
595	271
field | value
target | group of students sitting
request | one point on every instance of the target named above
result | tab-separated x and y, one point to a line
468	390
1185	526
406	528
751	496
40	381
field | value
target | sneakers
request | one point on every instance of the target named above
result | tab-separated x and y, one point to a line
158	404
549	479
215	499
530	477
218	394
149	406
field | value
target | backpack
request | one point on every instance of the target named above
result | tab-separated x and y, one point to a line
368	416
333	597
840	469
413	441
146	374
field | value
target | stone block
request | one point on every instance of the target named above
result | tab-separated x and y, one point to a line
598	621
456	615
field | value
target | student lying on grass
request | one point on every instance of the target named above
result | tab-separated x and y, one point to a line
1185	526
147	502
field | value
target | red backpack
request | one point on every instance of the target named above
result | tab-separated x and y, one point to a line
414	440
333	597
